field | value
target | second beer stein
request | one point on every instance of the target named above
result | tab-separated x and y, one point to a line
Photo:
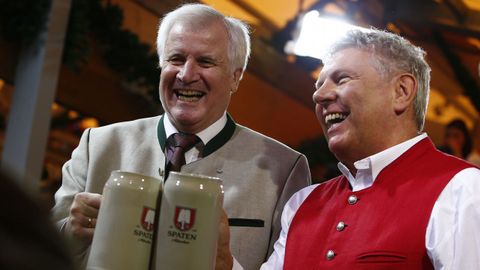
124	231
188	230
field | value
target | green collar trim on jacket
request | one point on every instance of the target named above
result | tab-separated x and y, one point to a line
213	145
162	137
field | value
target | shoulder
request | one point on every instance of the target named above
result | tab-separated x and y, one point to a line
462	189
133	126
298	198
258	140
466	181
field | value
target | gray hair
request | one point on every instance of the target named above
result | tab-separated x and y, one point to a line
392	53
238	31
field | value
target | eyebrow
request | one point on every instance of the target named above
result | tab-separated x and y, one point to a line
208	58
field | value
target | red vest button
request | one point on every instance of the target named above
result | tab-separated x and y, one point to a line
352	199
330	255
340	226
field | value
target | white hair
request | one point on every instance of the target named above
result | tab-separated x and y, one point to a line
238	32
391	53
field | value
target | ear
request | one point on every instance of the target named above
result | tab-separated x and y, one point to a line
405	92
235	80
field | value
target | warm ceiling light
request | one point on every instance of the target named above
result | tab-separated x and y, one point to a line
89	122
317	34
474	42
472	4
72	114
55	106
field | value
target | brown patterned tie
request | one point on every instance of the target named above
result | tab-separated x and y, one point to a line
178	145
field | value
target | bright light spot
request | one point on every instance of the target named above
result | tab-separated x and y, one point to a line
317	34
89	122
55	106
72	114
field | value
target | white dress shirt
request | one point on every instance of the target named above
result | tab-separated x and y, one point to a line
205	135
452	238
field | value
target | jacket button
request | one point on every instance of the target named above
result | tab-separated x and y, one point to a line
352	199
330	255
340	226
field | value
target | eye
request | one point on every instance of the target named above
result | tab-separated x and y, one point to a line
176	60
206	62
343	79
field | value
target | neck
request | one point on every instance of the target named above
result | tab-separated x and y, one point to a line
388	143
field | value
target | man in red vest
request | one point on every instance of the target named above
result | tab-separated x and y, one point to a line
399	203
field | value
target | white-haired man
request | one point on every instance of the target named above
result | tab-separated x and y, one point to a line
203	55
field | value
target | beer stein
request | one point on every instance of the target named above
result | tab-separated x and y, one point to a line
124	232
189	222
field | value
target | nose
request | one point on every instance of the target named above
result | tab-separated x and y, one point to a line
188	72
324	94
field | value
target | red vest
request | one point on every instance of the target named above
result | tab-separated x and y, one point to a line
381	227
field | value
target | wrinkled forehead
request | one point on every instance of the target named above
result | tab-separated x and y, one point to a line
202	25
352	58
212	34
345	59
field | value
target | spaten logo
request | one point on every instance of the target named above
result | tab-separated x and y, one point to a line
184	218
147	219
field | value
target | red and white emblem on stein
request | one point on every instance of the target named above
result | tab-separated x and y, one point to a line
147	219
184	218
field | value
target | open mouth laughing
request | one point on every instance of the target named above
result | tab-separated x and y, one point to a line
189	95
334	118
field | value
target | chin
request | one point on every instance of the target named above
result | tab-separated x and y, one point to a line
180	112
336	147
186	120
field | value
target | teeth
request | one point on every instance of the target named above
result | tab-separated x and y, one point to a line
334	117
189	95
189	99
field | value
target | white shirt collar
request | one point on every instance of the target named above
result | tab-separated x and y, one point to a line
369	167
205	135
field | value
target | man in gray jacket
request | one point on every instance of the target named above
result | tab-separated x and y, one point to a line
203	55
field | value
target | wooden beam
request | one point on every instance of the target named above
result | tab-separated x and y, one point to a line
274	68
438	16
265	22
